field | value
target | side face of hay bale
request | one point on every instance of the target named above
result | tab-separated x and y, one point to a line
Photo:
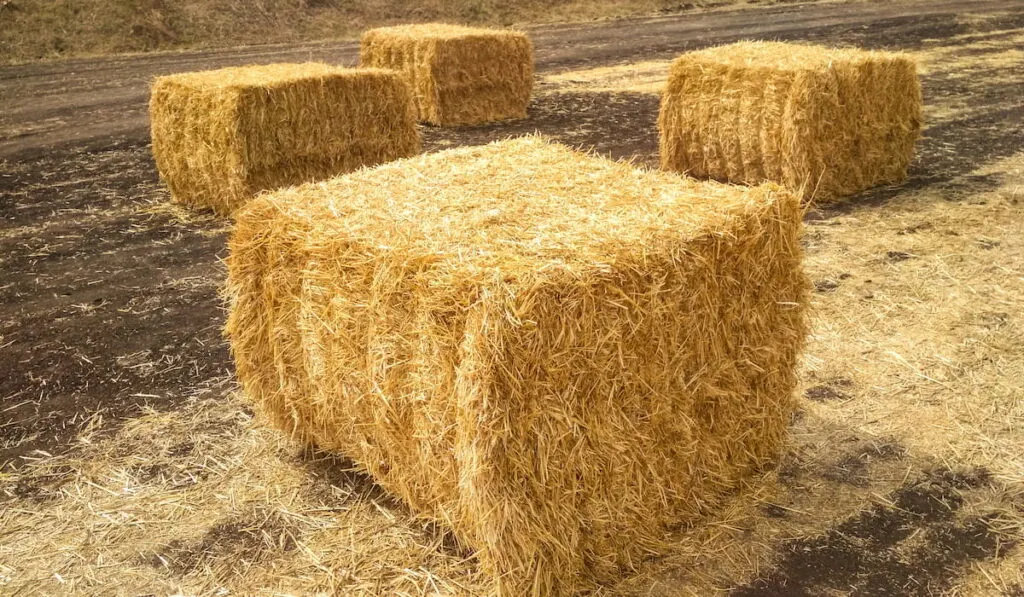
829	123
556	355
263	321
459	75
195	145
411	58
220	137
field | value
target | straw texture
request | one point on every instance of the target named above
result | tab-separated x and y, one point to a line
825	122
220	137
556	355
459	75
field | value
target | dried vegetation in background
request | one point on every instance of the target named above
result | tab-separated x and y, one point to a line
34	29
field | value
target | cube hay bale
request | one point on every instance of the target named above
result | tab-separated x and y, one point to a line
222	136
556	355
459	75
825	122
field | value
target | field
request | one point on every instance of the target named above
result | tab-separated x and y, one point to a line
48	29
131	466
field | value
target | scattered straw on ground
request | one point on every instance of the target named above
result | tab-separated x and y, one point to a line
952	275
640	77
976	61
201	501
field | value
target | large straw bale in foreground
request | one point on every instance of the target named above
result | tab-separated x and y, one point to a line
459	75
828	122
557	355
220	137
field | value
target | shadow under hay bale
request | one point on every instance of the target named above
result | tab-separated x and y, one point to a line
826	122
555	355
459	75
220	137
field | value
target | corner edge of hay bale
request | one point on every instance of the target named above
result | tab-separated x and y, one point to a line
852	125
176	111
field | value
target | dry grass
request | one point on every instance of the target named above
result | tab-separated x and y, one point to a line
952	275
826	123
200	501
220	137
35	29
458	75
534	347
932	291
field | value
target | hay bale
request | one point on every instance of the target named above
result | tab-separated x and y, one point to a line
826	122
554	354
459	75
222	136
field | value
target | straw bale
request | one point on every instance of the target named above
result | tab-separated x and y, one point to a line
222	136
556	355
825	122
459	75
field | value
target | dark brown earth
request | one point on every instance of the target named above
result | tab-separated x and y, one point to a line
868	554
109	301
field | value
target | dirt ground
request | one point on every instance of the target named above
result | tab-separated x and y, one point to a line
131	466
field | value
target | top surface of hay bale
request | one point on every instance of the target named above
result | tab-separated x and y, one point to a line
442	31
783	56
518	206
256	76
